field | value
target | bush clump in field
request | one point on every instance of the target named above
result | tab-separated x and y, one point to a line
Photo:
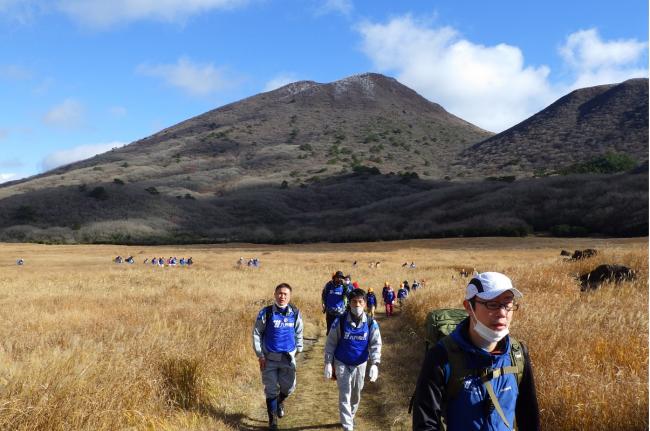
182	381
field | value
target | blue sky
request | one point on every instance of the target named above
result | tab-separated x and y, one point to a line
78	77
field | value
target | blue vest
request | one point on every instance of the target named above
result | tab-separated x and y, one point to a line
467	410
335	299
371	299
280	333
353	344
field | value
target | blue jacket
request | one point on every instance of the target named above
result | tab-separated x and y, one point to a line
371	299
467	411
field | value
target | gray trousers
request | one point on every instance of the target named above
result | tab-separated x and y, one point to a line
278	376
349	379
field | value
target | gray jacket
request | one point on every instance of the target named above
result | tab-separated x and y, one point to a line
374	344
258	336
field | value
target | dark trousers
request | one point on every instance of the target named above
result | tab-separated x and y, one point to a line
329	319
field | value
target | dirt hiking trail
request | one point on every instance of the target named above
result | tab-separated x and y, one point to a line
314	404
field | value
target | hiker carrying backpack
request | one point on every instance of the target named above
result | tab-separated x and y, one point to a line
477	377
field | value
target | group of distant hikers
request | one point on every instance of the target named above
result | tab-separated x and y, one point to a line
252	262
158	261
473	377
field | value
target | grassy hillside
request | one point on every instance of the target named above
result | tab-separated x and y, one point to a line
365	206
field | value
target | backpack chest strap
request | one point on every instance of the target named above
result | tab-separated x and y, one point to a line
493	373
486	377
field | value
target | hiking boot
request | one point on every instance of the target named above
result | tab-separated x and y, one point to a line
273	423
280	410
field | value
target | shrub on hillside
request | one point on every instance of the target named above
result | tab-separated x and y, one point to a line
609	163
98	193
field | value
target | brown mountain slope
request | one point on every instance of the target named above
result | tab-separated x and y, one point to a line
292	134
297	164
578	127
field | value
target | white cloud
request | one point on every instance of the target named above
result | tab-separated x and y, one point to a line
14	72
117	111
491	86
68	114
341	6
64	157
102	13
193	78
21	11
595	61
4	177
43	87
280	81
486	85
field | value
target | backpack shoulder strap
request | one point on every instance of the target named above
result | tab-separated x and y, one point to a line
517	358
456	368
268	313
342	319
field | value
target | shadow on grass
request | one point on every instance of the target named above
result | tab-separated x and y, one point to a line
235	420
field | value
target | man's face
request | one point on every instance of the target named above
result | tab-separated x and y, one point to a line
282	296
499	318
358	301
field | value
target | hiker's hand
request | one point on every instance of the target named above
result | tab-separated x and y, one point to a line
373	373
262	363
328	371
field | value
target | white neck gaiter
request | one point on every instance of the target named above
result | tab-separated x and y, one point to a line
489	336
280	307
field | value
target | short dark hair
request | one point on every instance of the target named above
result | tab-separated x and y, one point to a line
281	285
356	293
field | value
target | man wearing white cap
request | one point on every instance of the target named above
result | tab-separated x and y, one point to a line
478	377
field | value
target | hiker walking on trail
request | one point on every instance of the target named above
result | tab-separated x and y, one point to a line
389	298
334	298
353	342
402	293
479	377
371	302
277	337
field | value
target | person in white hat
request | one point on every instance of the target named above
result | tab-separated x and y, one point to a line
479	377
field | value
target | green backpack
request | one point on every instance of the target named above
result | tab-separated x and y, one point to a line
439	324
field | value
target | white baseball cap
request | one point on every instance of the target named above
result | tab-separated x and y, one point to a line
489	285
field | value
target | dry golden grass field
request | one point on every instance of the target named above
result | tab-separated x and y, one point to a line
86	344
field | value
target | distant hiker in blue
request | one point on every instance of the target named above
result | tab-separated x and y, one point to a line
402	293
334	298
277	337
371	302
479	377
388	295
354	342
